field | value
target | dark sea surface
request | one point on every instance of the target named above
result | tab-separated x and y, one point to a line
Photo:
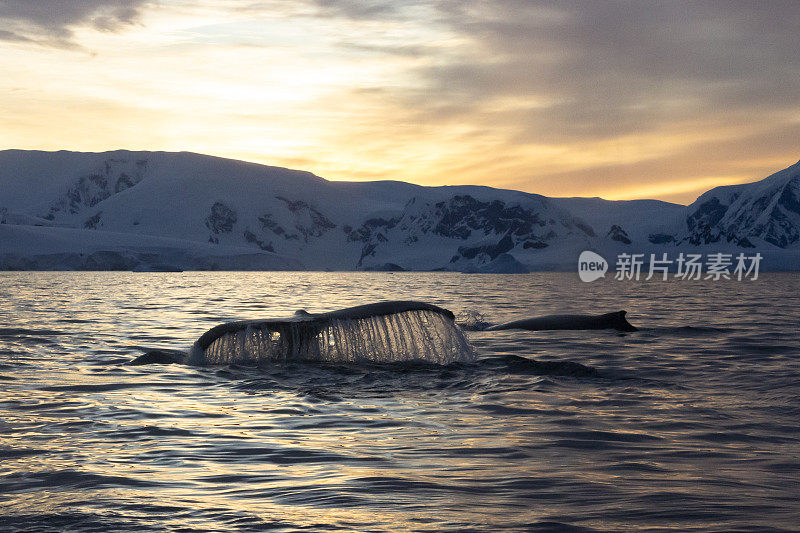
690	424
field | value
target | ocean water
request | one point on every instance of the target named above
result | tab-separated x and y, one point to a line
690	424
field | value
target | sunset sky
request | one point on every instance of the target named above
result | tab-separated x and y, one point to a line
613	99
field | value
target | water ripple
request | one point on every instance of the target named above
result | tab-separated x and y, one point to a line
689	424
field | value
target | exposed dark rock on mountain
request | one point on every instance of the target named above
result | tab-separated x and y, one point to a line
616	233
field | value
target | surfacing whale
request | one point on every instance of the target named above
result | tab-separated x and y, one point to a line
378	332
615	320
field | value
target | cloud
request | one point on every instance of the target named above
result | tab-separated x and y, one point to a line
6	35
610	68
360	10
570	97
605	68
584	75
51	22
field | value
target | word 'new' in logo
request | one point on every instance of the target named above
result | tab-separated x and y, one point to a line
591	266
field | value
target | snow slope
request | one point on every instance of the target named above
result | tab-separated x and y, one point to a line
751	215
183	210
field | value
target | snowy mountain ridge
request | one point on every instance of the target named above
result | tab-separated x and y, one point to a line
168	210
749	215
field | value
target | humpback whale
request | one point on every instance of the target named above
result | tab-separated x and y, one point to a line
615	320
377	332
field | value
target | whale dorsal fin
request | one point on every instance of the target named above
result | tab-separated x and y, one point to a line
619	322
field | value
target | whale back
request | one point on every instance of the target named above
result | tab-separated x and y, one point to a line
615	320
378	333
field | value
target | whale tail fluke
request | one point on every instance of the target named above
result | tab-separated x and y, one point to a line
382	332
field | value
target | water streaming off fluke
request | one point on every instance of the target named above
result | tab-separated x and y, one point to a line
386	332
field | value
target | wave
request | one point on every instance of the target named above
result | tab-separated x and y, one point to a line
686	331
515	364
25	332
473	320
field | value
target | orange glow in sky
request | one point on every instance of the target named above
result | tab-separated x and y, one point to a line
560	99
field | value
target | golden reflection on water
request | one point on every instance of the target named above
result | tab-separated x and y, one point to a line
677	416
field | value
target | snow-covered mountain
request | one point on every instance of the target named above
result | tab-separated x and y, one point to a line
751	215
161	210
